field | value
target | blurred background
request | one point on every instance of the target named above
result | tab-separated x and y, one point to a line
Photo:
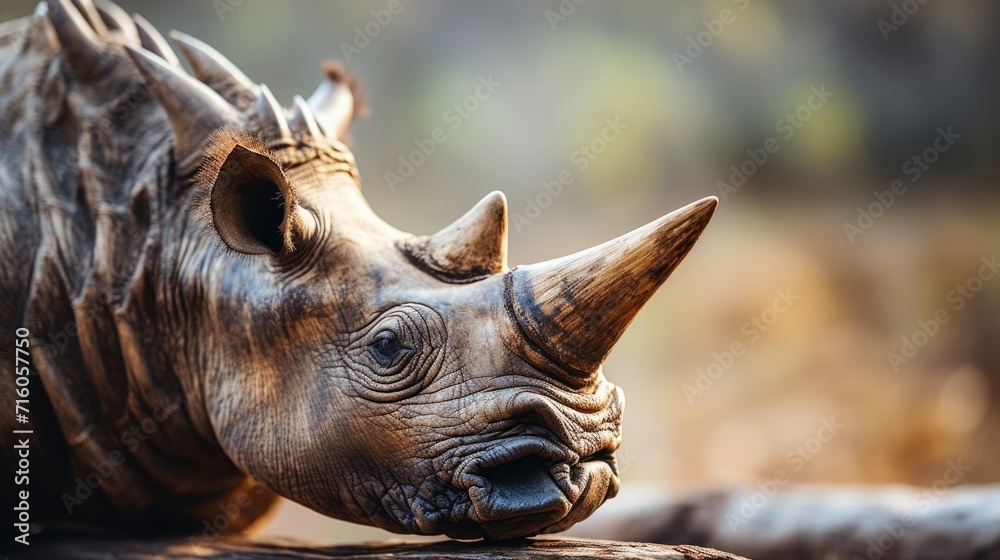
842	282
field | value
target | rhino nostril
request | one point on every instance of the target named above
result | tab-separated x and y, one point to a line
607	455
527	473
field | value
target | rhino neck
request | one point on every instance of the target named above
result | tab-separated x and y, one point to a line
120	421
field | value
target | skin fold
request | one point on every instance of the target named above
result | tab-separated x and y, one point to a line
214	309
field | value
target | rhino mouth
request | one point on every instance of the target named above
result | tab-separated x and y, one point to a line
529	485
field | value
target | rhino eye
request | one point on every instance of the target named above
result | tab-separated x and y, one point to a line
386	349
397	354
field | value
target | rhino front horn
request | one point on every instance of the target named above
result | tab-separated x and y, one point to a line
575	308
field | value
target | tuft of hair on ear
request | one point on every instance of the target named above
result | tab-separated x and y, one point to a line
220	145
338	72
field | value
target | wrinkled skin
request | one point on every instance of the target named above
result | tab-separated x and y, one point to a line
399	434
228	286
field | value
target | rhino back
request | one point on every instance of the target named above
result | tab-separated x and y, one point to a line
83	216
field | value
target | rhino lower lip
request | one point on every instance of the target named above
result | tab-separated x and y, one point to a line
521	498
525	484
597	481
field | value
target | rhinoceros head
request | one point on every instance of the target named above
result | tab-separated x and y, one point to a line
415	383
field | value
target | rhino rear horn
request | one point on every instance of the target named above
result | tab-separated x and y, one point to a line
333	102
82	48
269	114
302	121
92	16
117	19
213	69
576	307
473	246
153	42
194	109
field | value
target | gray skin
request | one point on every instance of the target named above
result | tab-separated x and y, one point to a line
214	308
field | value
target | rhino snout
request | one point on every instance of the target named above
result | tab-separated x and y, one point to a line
532	481
529	484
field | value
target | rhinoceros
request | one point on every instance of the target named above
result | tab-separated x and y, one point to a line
209	305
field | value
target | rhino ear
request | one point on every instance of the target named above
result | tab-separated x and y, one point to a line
253	207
